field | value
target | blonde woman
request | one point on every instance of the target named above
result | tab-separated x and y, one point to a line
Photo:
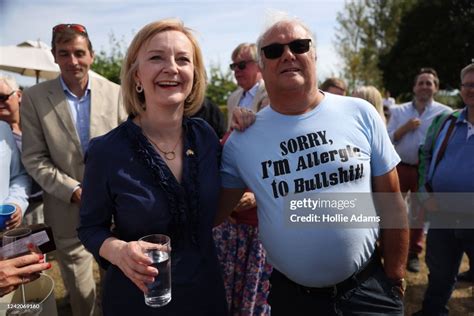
373	96
156	173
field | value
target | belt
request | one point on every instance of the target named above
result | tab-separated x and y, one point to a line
348	284
407	165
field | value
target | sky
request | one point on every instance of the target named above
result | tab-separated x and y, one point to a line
219	25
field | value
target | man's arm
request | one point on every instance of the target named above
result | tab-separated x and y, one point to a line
397	128
409	126
36	155
392	210
227	201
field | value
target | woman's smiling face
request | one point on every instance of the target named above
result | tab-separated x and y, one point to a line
166	68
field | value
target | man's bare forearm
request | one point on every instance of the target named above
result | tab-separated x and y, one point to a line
395	251
394	223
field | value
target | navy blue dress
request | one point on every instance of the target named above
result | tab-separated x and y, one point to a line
128	184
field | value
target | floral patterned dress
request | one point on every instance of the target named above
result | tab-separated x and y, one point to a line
246	272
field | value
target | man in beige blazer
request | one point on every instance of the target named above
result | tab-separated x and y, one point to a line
251	93
59	117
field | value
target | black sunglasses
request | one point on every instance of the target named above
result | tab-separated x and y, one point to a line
299	46
241	64
5	97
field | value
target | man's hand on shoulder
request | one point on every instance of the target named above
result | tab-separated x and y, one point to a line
242	118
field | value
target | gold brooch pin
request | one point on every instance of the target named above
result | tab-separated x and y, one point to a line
189	152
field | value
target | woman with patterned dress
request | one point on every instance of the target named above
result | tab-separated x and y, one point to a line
243	260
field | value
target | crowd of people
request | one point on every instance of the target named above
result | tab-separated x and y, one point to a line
110	164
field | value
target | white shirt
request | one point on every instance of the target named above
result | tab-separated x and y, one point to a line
389	102
248	96
407	147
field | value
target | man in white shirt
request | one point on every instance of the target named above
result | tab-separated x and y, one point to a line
407	128
251	93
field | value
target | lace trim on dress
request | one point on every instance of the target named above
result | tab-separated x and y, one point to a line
183	199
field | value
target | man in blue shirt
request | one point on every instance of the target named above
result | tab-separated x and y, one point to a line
296	146
10	98
14	181
449	170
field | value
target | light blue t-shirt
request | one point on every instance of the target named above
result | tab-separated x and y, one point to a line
341	132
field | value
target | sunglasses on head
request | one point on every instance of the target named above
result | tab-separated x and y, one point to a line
241	64
76	27
5	97
274	51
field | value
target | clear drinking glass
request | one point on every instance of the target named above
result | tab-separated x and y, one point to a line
18	240
158	249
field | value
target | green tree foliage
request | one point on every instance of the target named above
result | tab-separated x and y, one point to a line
435	33
367	28
109	64
220	85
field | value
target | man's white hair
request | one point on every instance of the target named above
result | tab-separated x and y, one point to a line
9	81
274	18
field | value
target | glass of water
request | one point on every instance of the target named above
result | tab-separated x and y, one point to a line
158	249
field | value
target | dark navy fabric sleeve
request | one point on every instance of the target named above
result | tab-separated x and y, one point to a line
96	201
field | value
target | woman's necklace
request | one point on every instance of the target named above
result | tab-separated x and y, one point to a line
169	155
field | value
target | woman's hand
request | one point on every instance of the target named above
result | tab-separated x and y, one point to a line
20	270
131	259
242	118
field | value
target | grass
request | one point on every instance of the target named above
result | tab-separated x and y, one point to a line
62	302
461	303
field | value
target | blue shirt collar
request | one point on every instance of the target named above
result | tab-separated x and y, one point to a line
69	92
462	116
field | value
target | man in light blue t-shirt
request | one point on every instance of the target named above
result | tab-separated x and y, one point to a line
309	142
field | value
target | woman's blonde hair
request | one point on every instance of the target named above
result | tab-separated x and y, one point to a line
373	96
133	101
